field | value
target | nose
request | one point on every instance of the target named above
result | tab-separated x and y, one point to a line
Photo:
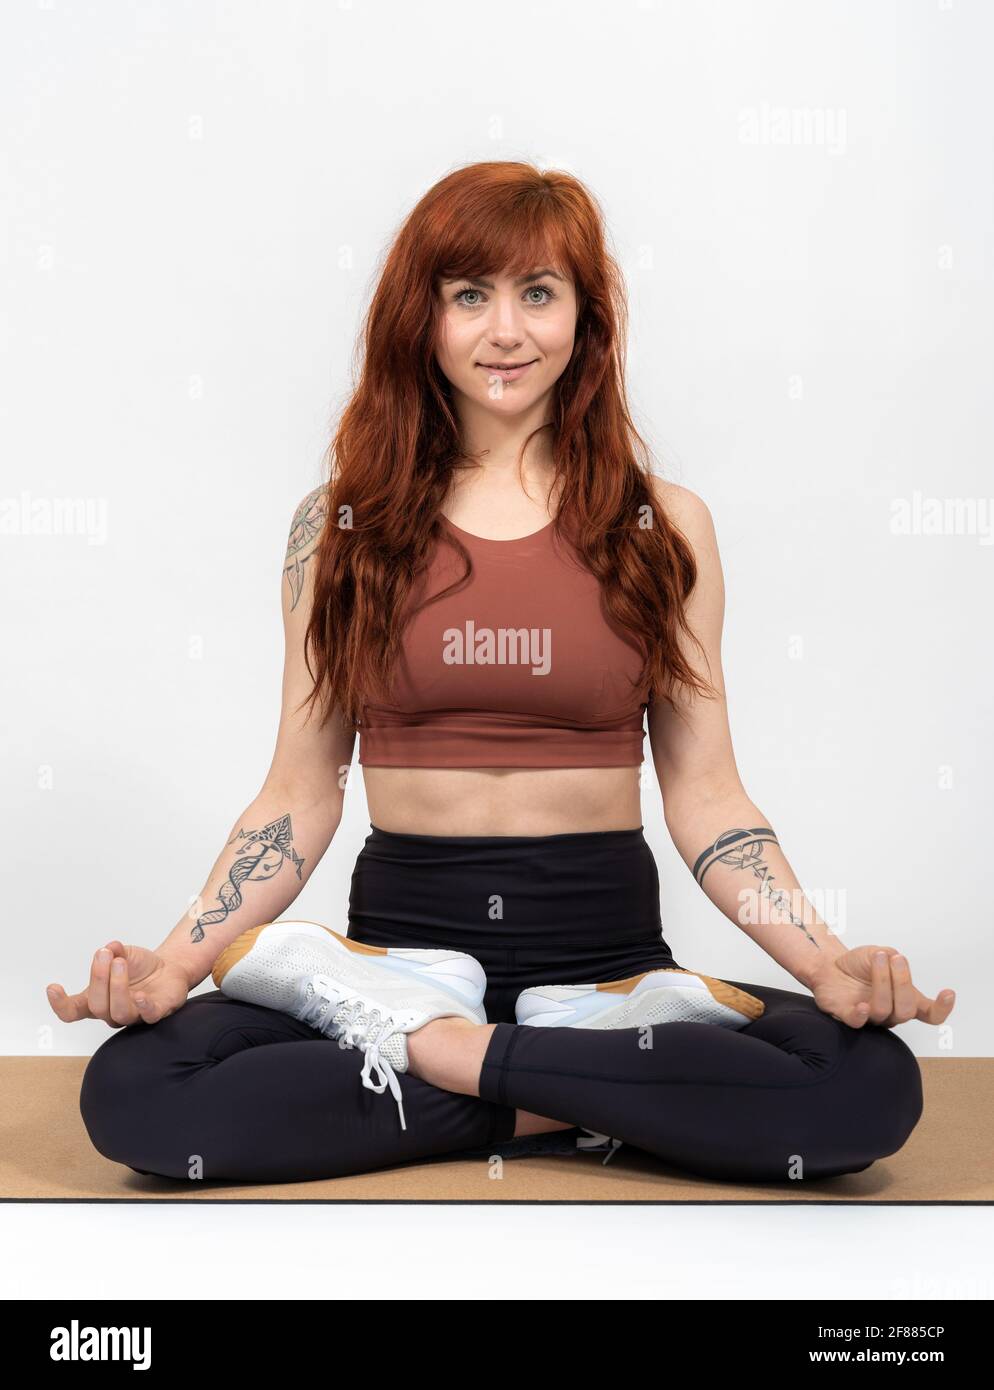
505	327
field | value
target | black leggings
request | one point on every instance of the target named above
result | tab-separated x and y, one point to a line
232	1091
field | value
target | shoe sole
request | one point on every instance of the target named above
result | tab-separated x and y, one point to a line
722	993
240	947
237	951
719	990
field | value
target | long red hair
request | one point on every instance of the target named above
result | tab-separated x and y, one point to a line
392	457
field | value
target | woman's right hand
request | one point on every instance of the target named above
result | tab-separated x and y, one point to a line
128	984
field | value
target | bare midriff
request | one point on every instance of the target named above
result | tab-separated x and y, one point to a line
503	801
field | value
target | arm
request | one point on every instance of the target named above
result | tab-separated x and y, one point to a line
273	846
724	839
728	843
278	840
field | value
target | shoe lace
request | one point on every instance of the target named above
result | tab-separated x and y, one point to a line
355	1024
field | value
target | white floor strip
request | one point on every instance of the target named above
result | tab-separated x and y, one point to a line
506	1252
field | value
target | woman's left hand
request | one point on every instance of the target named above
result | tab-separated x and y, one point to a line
873	984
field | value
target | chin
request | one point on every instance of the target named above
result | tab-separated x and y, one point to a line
511	403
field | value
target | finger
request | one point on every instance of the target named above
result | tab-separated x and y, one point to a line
150	1011
881	996
906	996
855	1015
122	1008
98	993
69	1007
148	1008
935	1010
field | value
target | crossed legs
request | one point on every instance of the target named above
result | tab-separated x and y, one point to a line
793	1094
225	1090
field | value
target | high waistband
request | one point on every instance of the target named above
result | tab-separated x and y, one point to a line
589	838
591	889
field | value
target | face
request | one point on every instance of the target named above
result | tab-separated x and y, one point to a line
505	341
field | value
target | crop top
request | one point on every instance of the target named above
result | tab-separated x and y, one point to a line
520	666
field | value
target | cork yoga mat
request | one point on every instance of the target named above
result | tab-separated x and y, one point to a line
46	1156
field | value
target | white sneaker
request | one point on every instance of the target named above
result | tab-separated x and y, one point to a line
672	995
360	995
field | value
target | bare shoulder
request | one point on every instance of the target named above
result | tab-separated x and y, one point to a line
687	511
692	517
306	526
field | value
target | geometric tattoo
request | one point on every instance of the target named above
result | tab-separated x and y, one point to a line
307	521
742	849
264	856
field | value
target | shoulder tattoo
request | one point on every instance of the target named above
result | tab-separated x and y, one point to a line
306	526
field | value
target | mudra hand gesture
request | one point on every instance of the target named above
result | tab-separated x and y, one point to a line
872	984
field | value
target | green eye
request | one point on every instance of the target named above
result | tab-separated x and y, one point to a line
546	290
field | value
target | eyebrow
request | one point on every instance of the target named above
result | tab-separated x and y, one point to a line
489	285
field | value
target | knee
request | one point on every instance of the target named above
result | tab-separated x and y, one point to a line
890	1089
866	1110
109	1094
906	1086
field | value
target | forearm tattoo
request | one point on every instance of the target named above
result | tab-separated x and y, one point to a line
265	853
743	849
307	522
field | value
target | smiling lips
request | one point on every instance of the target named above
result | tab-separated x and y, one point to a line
509	372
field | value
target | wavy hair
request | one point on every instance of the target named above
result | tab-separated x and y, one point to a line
392	457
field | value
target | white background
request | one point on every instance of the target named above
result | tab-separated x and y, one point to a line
196	199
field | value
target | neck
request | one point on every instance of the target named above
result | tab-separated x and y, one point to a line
497	441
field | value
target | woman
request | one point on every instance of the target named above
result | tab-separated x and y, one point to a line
495	591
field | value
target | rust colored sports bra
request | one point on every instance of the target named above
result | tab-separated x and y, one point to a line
521	666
